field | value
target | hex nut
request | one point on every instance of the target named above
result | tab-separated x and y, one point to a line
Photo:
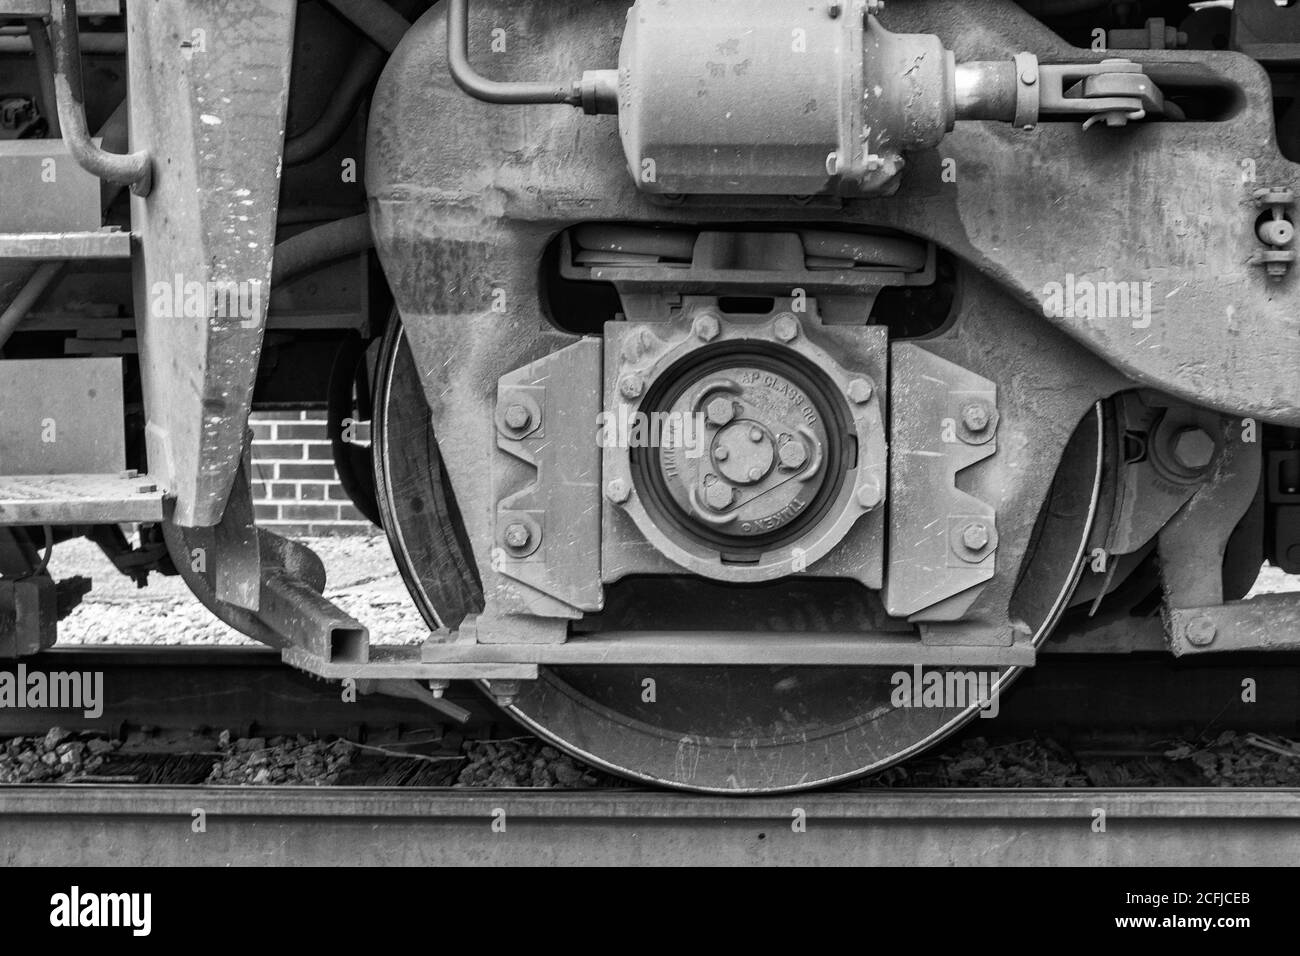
617	491
792	453
517	417
718	495
786	327
706	327
720	411
975	536
517	535
861	390
975	416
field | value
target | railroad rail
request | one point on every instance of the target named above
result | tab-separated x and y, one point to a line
155	826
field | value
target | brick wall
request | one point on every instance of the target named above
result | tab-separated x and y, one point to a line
296	491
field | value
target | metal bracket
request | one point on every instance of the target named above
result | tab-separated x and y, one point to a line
942	541
1112	91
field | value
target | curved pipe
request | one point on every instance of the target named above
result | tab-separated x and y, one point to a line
361	73
491	91
314	247
40	41
134	169
375	19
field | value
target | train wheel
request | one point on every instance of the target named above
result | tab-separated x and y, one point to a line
711	729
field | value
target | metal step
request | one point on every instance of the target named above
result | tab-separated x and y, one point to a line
109	243
79	499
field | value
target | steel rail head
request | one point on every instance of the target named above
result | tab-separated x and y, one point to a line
134	169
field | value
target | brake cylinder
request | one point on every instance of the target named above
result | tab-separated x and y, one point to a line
762	97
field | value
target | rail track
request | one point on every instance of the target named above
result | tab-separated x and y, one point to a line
143	826
164	694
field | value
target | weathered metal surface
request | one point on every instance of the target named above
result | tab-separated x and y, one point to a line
79	499
739	648
942	540
68	195
149	826
547	481
39	8
842	495
1266	622
97	244
208	86
1003	213
28	615
75	429
1267	30
388	662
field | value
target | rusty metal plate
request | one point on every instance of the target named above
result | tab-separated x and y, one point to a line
97	244
78	499
75	429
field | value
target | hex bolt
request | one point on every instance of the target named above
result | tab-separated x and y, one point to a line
755	474
504	691
792	453
518	417
1194	448
706	327
617	491
786	327
631	386
717	494
975	416
869	495
518	535
861	390
722	454
755	434
873	8
1201	631
438	688
975	536
720	411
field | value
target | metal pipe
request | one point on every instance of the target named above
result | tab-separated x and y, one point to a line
40	279
491	91
361	72
375	19
134	169
40	41
986	90
320	245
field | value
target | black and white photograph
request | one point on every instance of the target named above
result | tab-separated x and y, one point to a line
669	433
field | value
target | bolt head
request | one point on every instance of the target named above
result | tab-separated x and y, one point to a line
518	535
755	434
720	411
518	417
718	495
1194	448
786	328
869	495
792	453
1201	631
860	391
975	416
721	453
618	492
975	536
706	327
631	386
